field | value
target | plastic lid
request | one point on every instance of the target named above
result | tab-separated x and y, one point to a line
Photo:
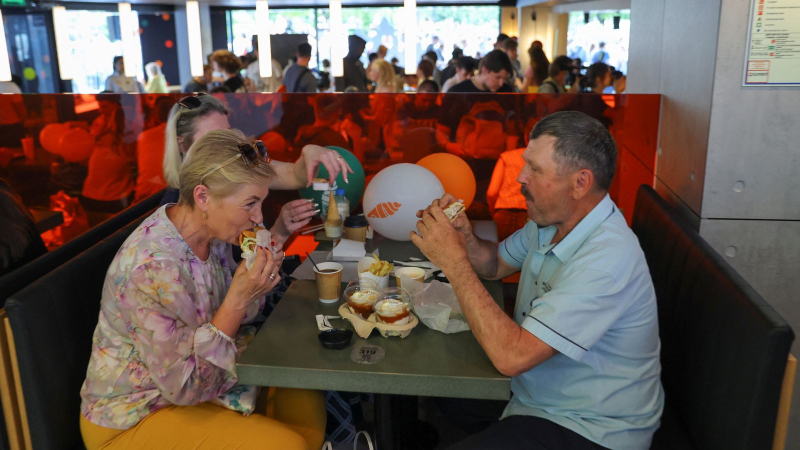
355	221
340	191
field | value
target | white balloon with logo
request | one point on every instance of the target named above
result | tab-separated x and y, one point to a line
394	196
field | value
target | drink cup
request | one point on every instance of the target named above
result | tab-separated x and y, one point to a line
415	273
28	148
355	228
329	281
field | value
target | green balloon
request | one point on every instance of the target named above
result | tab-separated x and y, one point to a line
353	189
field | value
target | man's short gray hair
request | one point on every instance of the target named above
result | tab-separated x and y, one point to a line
581	142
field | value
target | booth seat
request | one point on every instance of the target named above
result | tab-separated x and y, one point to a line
52	321
724	350
14	426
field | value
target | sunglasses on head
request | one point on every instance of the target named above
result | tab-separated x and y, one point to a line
252	155
192	101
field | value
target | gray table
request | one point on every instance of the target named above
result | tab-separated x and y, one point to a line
287	353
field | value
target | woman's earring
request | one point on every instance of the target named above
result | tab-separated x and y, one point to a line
205	216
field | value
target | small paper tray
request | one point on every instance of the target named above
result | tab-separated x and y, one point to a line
364	327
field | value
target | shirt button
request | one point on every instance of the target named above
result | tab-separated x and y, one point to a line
524	314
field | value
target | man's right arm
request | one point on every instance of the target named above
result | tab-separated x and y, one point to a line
485	258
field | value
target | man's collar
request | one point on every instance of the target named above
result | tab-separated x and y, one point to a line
567	247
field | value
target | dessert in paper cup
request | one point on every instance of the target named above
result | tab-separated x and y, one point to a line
372	268
393	306
361	295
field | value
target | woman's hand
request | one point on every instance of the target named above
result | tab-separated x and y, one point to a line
314	155
249	285
294	215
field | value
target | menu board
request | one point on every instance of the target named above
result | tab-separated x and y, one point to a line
773	44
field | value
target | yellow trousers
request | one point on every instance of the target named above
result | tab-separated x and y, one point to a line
285	419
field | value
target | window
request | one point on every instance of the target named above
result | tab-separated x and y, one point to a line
94	42
588	29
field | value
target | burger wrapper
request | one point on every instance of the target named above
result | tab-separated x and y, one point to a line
263	240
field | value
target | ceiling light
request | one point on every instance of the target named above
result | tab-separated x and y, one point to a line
195	42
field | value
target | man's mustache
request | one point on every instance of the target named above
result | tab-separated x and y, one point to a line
525	193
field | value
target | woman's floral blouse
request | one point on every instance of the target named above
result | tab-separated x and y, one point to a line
154	345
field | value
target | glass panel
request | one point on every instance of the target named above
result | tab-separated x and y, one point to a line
27	39
106	150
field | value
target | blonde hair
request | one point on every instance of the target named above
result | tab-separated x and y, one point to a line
205	164
181	124
386	77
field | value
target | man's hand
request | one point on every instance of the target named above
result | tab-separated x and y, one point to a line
461	223
439	240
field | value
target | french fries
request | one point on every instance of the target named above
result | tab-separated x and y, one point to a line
380	268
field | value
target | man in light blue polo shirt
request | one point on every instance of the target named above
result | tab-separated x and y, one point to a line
582	348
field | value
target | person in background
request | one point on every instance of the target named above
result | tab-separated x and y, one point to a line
601	56
620	81
372	57
298	77
229	65
382	74
555	83
510	47
150	153
424	71
156	83
110	181
576	73
537	71
12	116
435	47
354	73
382	51
199	84
465	70
494	69
597	79
398	70
254	78
118	83
20	243
433	58
326	65
177	312
428	87
450	71
324	84
498	44
506	203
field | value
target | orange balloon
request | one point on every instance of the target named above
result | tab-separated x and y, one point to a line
76	145
50	136
454	173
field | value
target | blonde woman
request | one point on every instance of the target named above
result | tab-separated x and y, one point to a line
174	318
194	116
382	74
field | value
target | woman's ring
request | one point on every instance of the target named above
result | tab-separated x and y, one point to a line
292	220
272	276
338	157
